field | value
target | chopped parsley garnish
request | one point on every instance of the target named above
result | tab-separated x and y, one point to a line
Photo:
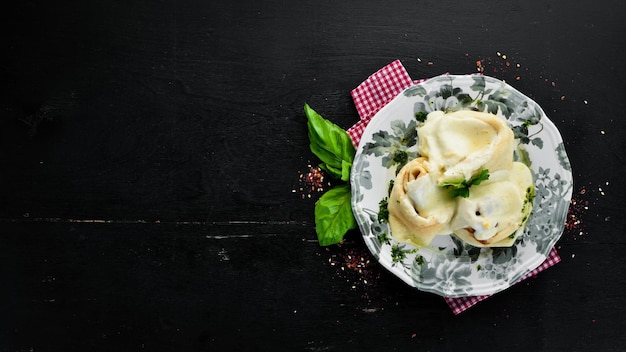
421	116
400	157
383	211
419	260
383	237
398	253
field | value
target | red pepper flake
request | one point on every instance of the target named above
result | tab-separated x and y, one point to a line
357	267
578	206
479	66
311	181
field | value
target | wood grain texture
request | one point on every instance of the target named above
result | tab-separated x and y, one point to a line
151	154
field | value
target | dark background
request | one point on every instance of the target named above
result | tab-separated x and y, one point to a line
152	156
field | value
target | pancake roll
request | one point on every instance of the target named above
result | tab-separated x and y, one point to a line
419	209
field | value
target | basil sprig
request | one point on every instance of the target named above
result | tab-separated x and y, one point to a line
333	146
461	188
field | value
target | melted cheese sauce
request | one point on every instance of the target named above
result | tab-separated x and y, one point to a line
455	147
495	205
431	200
459	143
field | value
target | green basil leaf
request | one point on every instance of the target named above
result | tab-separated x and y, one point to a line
334	172
345	170
330	143
333	215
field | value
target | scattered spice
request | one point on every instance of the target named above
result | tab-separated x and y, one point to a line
581	202
498	67
507	68
578	205
356	266
311	181
479	66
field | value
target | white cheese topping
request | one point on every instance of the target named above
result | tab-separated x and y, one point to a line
460	143
455	147
429	199
496	204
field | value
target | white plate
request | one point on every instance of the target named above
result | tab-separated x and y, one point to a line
449	267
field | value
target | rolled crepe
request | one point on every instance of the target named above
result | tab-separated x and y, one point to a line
459	144
419	209
496	210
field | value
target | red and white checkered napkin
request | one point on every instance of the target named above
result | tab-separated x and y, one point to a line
369	97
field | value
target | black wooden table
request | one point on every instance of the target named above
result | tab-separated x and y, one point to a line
153	191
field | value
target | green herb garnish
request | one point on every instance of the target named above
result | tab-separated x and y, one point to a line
421	116
419	260
401	157
333	146
383	210
383	237
398	253
390	188
461	188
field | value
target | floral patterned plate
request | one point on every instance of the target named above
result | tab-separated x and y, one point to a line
450	267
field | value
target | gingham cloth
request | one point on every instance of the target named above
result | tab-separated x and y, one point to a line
369	97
